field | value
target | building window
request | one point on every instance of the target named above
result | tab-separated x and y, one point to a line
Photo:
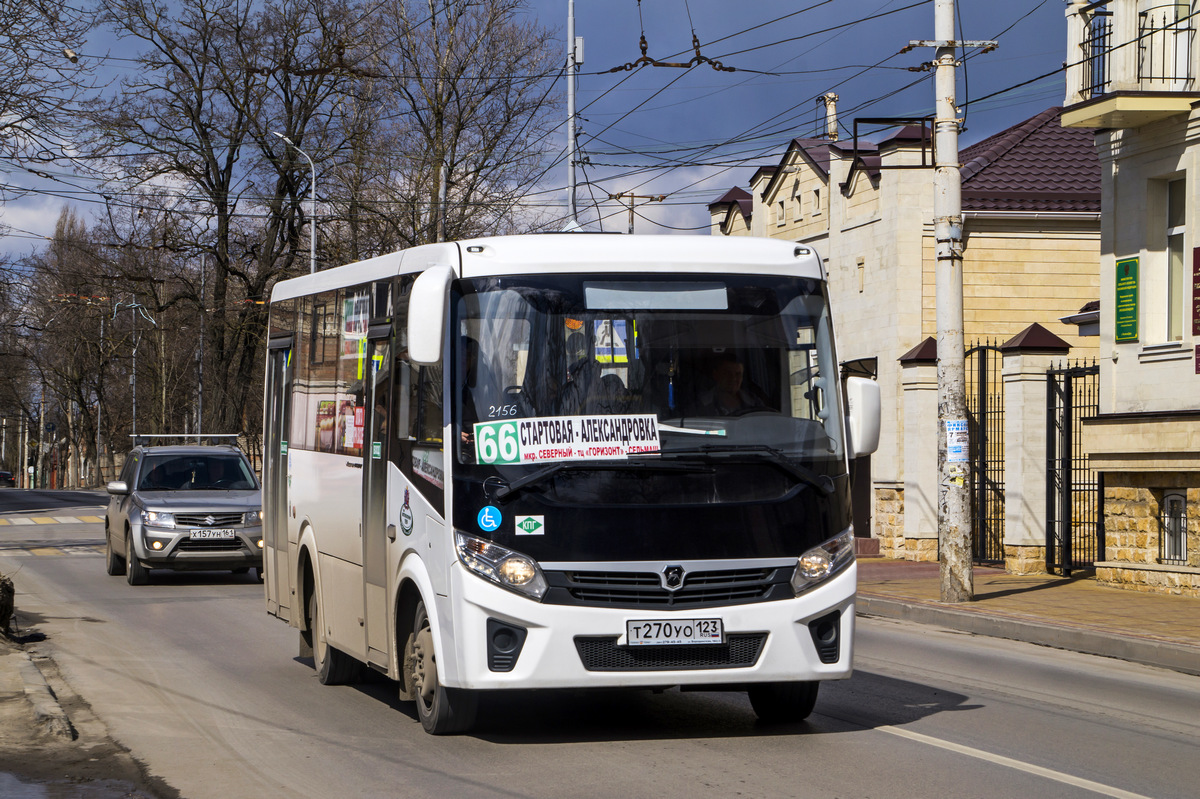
797	200
781	215
816	200
1172	527
1176	232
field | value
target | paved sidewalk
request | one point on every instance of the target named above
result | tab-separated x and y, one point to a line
1067	613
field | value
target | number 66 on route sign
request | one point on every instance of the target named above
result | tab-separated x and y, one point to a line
497	443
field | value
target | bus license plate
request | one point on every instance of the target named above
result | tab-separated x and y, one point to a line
219	533
659	632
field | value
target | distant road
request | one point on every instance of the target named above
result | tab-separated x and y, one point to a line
18	500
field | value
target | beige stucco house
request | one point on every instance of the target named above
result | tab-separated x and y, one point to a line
1031	235
1134	75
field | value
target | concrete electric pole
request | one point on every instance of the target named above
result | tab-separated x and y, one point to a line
954	484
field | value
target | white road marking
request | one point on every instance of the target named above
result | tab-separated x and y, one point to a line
1000	760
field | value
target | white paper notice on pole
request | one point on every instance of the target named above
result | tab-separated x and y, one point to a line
563	438
958	448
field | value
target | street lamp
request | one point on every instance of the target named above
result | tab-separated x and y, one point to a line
312	196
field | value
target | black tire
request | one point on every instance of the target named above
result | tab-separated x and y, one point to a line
442	711
334	667
114	564
135	572
258	573
783	702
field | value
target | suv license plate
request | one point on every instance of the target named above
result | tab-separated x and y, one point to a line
201	535
661	632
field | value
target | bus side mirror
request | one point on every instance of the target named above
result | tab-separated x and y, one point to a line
862	416
427	315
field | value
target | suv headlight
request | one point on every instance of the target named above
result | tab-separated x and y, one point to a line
501	565
253	518
158	518
823	561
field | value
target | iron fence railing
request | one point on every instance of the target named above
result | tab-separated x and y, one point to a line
1172	530
1074	491
1165	46
1096	44
985	412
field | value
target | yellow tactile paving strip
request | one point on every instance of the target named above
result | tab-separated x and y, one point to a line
20	520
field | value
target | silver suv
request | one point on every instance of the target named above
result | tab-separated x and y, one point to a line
184	508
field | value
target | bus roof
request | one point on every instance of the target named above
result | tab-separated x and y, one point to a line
574	252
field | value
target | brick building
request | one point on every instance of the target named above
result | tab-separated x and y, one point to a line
1031	201
1134	75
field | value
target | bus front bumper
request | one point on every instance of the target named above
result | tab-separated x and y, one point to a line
580	647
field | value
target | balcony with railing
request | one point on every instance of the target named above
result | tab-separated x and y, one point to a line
1130	62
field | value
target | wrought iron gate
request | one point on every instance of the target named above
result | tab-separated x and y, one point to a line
985	412
1074	493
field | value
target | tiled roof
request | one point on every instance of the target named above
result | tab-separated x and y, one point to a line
735	195
1037	165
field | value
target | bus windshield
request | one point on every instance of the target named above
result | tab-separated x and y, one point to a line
577	371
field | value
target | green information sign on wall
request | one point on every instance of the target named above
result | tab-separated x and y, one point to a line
1127	300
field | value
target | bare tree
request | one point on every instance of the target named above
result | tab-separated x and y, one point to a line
41	75
473	116
199	123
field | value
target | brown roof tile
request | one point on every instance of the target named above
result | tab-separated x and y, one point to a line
1037	165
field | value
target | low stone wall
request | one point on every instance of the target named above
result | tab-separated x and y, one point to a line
1132	531
1147	579
1024	559
889	521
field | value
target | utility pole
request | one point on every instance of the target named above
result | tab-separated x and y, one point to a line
574	59
653	198
954	483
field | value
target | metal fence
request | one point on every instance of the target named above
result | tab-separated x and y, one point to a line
1074	492
985	412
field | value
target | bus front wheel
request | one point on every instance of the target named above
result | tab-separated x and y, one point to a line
781	702
442	710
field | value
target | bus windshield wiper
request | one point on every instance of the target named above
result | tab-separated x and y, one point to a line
552	469
802	473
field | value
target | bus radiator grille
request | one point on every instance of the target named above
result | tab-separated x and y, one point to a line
601	653
645	589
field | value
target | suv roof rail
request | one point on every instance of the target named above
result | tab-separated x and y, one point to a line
140	439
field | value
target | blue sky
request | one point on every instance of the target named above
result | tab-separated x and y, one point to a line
711	120
691	134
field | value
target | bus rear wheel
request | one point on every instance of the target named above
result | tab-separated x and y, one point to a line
442	710
782	702
334	667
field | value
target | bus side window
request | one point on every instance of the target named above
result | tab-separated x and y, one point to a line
427	406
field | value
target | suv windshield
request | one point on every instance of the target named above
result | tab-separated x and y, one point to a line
195	473
713	369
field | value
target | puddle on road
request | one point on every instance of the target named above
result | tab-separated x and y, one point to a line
13	788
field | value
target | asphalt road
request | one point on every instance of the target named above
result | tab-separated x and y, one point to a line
200	684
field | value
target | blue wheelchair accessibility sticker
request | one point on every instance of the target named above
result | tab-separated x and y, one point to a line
489	518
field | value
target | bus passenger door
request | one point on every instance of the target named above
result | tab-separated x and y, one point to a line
375	515
275	479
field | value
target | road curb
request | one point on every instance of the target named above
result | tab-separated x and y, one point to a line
1148	651
46	710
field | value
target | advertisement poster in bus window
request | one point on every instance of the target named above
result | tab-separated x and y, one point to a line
350	425
326	425
356	309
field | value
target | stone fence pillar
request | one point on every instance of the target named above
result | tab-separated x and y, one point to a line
1027	358
918	378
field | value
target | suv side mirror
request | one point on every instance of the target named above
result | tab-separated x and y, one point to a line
119	487
862	416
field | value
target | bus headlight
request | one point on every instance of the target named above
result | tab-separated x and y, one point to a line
501	565
824	561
